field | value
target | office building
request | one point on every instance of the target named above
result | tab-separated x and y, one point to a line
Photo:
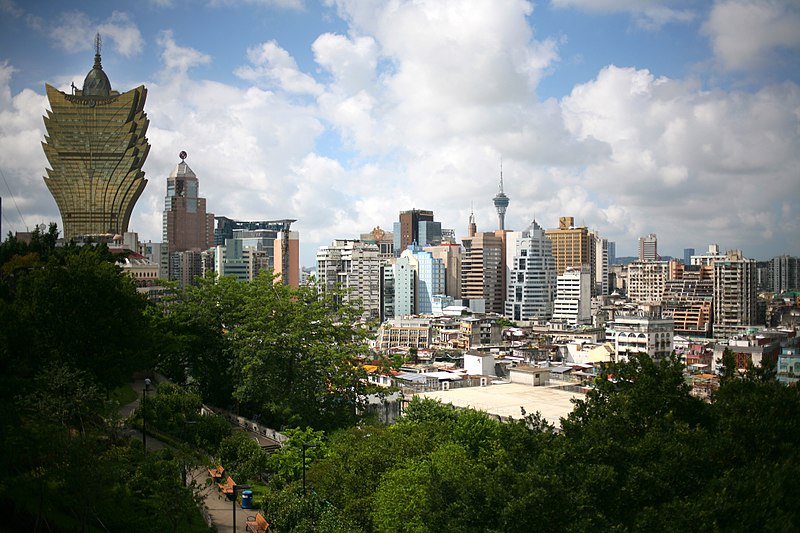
186	225
531	281
648	248
482	268
430	278
572	246
451	256
687	255
273	238
416	226
95	145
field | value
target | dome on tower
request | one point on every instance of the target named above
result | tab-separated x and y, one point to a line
96	82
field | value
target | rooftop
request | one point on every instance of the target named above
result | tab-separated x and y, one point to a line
506	399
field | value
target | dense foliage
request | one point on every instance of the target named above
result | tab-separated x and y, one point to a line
285	356
74	329
638	454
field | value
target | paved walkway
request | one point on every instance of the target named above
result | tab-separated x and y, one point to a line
218	508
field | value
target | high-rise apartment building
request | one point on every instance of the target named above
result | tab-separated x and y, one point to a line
648	248
573	303
784	274
531	283
95	146
646	281
600	283
186	225
735	297
482	269
355	268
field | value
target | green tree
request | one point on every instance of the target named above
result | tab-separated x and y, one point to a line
296	356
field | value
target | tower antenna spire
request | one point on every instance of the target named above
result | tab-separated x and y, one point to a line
501	173
98	42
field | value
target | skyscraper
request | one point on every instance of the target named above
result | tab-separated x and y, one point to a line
96	146
501	202
416	226
482	267
532	277
648	248
572	246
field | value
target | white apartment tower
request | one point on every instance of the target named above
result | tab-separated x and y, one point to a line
354	267
532	275
735	299
647	280
573	303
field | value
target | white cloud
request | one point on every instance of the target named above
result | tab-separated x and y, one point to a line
74	32
21	158
177	59
123	33
647	14
745	34
272	64
684	156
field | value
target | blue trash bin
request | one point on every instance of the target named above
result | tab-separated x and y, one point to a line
247	499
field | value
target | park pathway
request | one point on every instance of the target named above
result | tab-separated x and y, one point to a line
218	509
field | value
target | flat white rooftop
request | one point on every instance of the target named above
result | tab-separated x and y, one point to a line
506	399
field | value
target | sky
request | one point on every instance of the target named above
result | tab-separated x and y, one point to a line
674	117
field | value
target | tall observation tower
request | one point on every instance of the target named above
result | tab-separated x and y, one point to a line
501	203
96	146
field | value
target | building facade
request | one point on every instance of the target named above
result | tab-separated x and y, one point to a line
95	146
353	267
531	281
646	281
482	269
735	299
186	225
573	303
648	248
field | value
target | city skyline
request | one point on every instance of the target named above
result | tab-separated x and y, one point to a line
341	114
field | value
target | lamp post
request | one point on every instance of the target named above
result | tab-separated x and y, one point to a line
235	488
305	446
144	412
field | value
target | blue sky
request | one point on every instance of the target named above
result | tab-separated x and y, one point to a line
680	118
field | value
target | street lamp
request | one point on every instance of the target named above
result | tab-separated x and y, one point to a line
306	445
144	412
235	488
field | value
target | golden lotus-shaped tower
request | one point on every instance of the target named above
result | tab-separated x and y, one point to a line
96	146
